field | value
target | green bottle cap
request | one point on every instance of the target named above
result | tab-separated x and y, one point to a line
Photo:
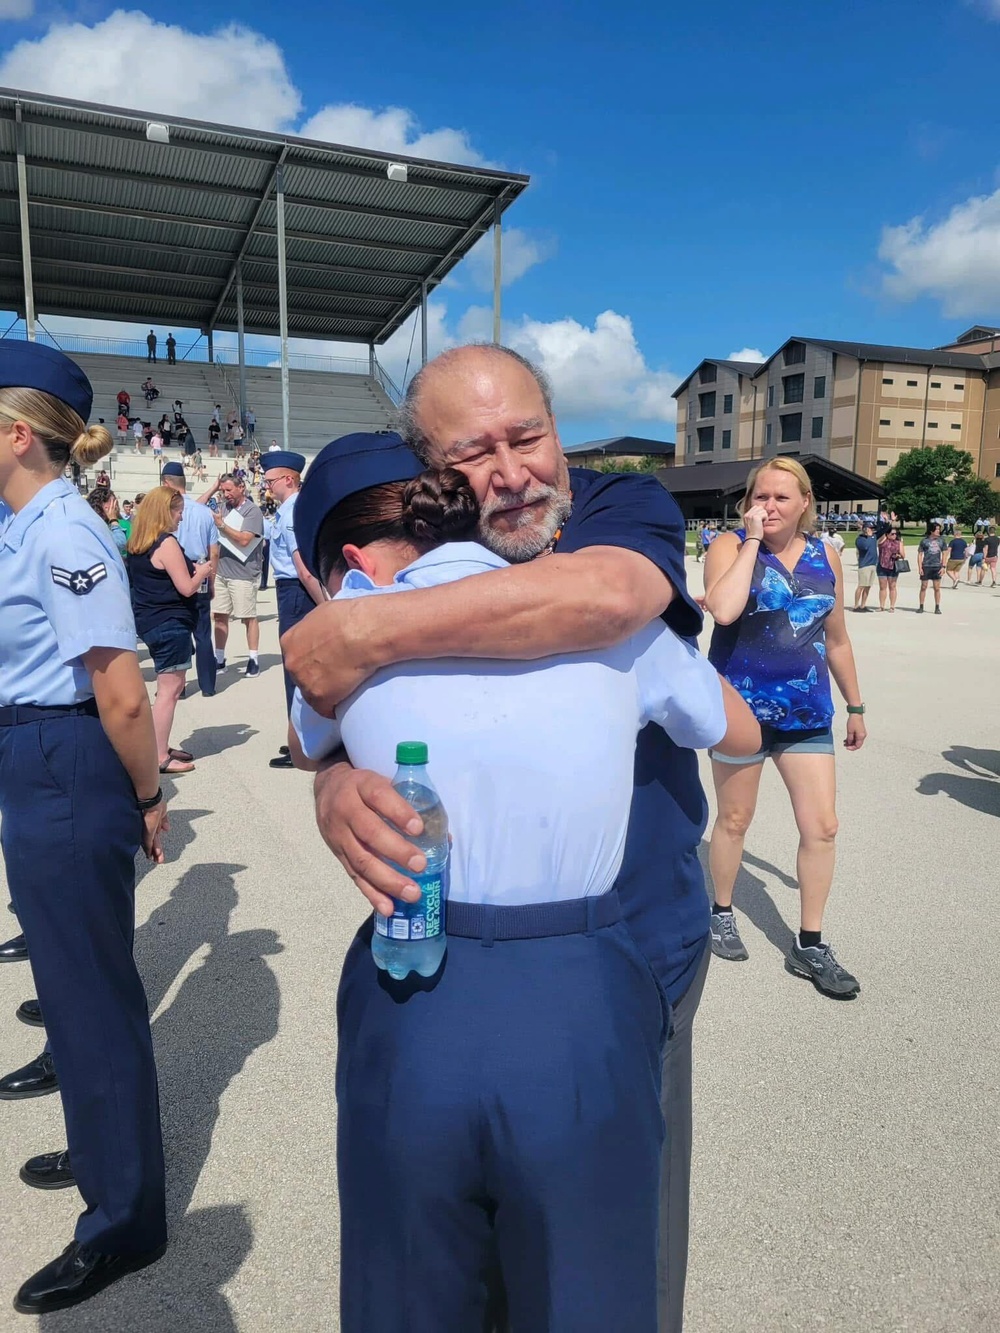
411	752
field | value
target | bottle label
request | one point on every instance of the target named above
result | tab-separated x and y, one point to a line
421	920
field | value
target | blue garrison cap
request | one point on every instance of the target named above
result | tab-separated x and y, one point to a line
27	365
283	458
348	465
172	469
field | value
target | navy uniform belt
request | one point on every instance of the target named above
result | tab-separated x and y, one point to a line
296	579
13	715
532	921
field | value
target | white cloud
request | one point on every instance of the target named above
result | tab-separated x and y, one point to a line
956	260
521	251
232	75
747	354
16	9
595	370
392	130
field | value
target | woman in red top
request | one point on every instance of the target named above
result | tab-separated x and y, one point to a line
890	549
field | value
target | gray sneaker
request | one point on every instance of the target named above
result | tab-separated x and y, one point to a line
822	969
726	942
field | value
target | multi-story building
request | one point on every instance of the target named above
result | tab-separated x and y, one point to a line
861	405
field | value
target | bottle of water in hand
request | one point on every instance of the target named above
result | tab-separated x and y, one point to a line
413	938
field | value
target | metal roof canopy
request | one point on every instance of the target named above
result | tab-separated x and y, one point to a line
623	446
724	481
99	221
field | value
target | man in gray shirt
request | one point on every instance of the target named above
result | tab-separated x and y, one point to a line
240	527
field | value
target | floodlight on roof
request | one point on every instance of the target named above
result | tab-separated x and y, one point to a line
157	132
396	171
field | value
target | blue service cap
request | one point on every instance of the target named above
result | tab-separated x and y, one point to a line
172	469
348	465
284	458
27	365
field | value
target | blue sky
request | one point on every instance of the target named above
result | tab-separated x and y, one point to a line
705	179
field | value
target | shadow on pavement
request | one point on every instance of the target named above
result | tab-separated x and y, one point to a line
223	1010
980	790
750	896
203	742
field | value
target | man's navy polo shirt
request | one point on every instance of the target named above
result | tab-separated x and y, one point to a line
660	883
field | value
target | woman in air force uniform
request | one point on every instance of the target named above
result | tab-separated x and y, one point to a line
79	794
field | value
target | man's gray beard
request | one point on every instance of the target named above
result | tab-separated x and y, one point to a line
531	536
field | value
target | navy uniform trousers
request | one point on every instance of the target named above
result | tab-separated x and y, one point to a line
294	603
70	832
204	645
506	1110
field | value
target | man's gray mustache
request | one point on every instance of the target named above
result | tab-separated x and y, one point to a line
516	501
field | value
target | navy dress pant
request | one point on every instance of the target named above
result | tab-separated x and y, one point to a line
504	1112
204	646
293	604
70	832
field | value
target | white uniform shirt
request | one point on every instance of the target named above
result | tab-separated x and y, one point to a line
533	760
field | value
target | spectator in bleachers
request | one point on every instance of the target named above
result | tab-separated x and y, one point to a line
156	443
137	434
178	411
165	429
102	478
171	350
149	389
240	452
251	426
124	401
104	503
272	446
232	419
213	437
151	346
217	414
122	425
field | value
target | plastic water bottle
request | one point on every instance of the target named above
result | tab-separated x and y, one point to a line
413	938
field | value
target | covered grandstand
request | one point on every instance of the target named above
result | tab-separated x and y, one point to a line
108	213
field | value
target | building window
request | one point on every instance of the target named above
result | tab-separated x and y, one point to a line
689	444
909	424
956	425
706	439
882	462
767	436
911	384
932	425
935	384
794	388
884	421
959	387
770	395
791	427
819	386
727	404
795	354
888	380
706	404
996	469
727	439
707	375
817	428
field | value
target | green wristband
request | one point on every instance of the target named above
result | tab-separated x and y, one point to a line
855	708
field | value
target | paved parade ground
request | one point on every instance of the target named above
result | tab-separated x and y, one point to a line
846	1170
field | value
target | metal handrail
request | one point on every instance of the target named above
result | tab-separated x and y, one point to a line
389	385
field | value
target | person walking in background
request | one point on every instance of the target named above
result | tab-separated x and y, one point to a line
890	550
151	346
165	430
930	560
124	401
251	422
833	538
149	390
121	425
171	350
213	437
199	540
137	435
957	548
156	444
990	549
867	549
240	530
164	583
978	556
777	597
104	503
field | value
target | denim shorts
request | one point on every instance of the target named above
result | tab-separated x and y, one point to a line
975	560
774	742
169	646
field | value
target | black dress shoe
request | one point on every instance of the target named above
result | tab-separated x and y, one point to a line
30	1012
14	951
34	1080
48	1171
282	761
75	1276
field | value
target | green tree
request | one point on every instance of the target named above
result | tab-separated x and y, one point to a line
928	482
648	464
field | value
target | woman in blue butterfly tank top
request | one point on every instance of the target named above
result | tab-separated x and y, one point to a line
776	595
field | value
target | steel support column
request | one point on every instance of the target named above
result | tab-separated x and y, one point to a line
211	347
371	360
22	198
241	343
423	323
279	189
497	269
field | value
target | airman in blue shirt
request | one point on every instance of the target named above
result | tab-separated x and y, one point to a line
79	794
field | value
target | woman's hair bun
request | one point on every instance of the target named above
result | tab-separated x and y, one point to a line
440	507
91	445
